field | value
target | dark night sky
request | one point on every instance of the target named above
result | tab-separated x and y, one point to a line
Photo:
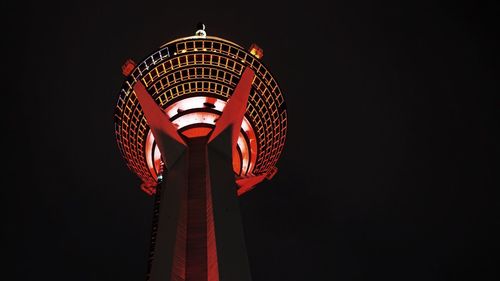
390	168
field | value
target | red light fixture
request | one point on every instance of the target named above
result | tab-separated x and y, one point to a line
128	67
256	51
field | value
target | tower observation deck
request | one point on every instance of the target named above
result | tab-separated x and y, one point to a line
200	121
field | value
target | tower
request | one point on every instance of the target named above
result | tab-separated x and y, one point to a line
201	121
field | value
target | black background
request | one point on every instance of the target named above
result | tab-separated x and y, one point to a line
390	168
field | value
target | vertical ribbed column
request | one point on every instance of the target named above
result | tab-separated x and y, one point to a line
196	247
179	261
212	263
168	239
154	229
232	257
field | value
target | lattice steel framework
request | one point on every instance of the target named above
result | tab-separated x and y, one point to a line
207	67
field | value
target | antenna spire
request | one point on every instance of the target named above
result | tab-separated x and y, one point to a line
200	30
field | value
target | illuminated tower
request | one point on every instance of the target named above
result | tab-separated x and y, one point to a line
200	121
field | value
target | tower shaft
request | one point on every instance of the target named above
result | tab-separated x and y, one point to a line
197	212
198	233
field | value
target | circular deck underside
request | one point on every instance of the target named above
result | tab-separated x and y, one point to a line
191	79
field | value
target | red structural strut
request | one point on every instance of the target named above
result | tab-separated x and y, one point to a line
246	184
156	117
234	111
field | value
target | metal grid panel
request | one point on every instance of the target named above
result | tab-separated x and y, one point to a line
200	66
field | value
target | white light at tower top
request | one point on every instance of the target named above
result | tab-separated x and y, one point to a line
201	30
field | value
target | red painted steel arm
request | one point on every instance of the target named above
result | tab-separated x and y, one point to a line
247	184
234	111
156	117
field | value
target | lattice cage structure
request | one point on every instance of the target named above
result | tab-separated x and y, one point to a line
210	67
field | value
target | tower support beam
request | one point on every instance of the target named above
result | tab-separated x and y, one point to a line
197	232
